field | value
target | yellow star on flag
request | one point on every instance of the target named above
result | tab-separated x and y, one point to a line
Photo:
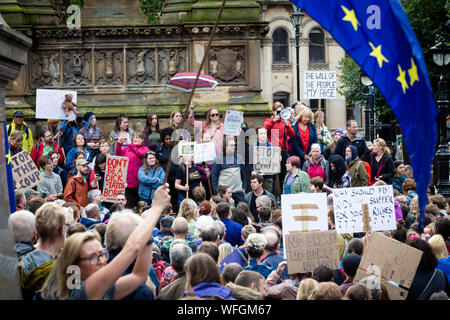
376	52
8	156
350	16
401	79
413	75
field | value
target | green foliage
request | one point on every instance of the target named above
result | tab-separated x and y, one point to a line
151	9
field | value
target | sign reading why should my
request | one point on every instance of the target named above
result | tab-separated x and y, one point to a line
391	262
25	173
319	84
233	122
308	250
266	160
348	209
115	177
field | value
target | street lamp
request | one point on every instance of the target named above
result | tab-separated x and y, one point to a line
367	90
441	56
297	19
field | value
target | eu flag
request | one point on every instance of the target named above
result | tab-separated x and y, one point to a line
235	256
9	176
378	36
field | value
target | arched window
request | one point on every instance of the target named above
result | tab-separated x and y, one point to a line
280	46
282	97
316	46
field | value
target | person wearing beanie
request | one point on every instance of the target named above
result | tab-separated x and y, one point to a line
330	149
350	264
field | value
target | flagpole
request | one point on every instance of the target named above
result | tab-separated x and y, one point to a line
186	110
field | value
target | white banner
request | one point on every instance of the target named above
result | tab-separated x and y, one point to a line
49	104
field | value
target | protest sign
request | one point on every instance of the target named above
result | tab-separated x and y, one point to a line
266	160
233	121
392	262
25	172
115	177
186	148
48	104
303	212
308	250
319	84
204	152
348	209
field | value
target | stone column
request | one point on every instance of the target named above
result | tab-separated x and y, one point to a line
13	54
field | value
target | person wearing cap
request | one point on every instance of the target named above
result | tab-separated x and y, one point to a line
77	187
17	123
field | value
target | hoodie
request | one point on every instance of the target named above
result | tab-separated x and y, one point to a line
211	290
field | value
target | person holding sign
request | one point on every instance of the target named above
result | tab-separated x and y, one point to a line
305	135
355	167
187	181
381	162
261	135
282	131
135	152
151	177
296	180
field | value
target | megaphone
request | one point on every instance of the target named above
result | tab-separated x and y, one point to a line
285	114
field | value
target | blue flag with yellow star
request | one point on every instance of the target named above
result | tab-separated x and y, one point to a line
378	36
9	175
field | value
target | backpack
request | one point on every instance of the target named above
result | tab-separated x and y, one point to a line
35	279
159	267
368	170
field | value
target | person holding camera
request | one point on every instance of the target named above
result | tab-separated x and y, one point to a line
282	132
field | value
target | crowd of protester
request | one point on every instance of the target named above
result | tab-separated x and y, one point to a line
214	231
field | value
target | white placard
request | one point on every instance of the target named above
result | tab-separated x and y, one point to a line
204	152
233	122
266	160
303	212
348	213
186	148
319	84
49	104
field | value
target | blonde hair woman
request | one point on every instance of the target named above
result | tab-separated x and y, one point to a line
323	134
437	244
225	249
381	163
305	135
92	278
188	210
305	288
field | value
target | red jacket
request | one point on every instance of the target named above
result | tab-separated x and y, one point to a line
38	149
279	125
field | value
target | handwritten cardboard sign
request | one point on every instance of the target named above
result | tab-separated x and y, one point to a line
309	250
303	212
115	177
266	160
348	209
319	84
25	172
233	122
393	262
204	152
48	104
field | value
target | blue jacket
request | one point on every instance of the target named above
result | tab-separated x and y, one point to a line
297	147
69	129
212	289
260	268
148	183
88	223
71	156
221	163
233	232
444	266
272	260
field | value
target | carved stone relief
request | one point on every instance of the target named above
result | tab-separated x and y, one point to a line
228	64
141	67
77	70
45	69
170	61
108	67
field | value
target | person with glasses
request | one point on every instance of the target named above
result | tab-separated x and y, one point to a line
228	169
92	277
44	146
151	177
211	125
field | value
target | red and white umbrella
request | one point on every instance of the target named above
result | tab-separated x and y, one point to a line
185	81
